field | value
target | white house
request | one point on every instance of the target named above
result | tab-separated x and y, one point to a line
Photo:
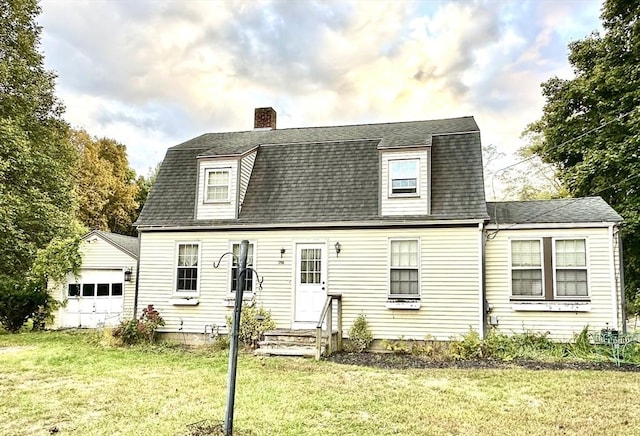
391	216
103	293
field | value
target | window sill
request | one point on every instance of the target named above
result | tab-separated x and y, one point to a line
552	306
184	301
391	196
403	305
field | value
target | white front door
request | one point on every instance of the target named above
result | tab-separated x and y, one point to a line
311	277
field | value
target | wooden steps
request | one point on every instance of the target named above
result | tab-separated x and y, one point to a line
287	342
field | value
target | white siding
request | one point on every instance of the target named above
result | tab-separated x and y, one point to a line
100	254
449	278
217	210
561	325
246	167
405	205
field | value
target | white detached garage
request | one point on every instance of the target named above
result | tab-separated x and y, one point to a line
103	292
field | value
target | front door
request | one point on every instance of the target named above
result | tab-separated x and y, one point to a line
311	276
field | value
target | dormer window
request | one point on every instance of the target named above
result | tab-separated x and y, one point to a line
403	177
217	187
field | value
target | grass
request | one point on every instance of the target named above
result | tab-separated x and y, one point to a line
65	382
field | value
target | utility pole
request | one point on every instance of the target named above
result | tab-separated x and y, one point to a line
233	352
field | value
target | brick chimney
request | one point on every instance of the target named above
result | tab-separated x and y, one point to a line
265	118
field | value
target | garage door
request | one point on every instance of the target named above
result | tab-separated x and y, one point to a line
94	299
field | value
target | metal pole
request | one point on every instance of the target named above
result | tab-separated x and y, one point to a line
233	352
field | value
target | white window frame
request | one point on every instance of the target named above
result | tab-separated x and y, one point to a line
246	294
396	297
207	186
584	268
521	268
187	293
390	163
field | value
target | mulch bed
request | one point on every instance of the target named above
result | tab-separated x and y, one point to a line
404	361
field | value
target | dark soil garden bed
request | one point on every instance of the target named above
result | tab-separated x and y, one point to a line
405	361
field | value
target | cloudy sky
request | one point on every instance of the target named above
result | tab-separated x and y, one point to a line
152	73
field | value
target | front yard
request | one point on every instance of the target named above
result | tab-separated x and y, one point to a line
64	383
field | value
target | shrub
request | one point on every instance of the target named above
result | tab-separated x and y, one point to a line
470	347
396	346
21	301
135	331
360	335
254	321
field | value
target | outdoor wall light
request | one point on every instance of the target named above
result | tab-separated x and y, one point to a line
127	274
338	248
282	251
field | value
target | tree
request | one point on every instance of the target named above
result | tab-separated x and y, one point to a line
590	126
144	187
37	162
527	179
106	186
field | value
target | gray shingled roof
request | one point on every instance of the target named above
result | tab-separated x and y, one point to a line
323	174
566	210
128	244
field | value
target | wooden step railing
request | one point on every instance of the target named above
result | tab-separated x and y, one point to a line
327	315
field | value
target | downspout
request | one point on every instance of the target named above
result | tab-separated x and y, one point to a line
623	298
614	292
482	282
135	293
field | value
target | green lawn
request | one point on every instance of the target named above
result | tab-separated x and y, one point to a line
63	381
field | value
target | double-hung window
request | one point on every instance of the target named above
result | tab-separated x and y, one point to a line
526	268
187	267
235	270
404	272
217	185
403	177
549	269
571	268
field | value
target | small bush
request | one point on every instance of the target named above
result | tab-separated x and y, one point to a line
397	346
360	336
254	321
21	301
135	331
470	347
221	343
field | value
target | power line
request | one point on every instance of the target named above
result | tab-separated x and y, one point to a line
568	203
568	141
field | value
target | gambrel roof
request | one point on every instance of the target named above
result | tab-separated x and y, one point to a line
324	175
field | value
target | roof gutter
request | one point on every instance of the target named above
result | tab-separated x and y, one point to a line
309	225
515	226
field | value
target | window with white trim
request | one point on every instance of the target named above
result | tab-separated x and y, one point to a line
549	269
403	177
217	185
248	284
403	269
571	268
187	268
526	268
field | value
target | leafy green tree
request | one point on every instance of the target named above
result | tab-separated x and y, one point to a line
106	186
37	162
144	187
590	127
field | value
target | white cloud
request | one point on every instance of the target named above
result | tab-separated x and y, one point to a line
155	73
